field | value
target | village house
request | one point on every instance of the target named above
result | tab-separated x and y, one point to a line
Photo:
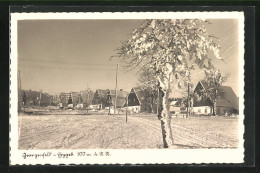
87	97
100	99
65	99
35	98
227	103
137	101
175	106
120	101
76	99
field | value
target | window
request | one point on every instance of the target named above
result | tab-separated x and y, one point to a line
199	110
224	111
206	111
136	108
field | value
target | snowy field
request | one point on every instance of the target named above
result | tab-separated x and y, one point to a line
75	131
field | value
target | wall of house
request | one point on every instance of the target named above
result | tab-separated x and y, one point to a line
135	109
223	110
133	100
175	109
202	110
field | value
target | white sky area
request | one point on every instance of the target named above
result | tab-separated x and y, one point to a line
71	55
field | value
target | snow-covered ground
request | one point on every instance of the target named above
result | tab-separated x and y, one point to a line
75	131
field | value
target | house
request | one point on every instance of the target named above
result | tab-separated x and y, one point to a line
175	107
226	103
87	97
100	98
35	98
137	101
120	101
65	99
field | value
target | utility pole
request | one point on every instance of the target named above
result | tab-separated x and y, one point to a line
157	106
126	108
19	91
88	96
40	98
188	101
115	91
72	99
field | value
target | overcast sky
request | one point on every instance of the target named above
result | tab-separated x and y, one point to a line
72	55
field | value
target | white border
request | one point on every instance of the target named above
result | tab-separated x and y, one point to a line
133	156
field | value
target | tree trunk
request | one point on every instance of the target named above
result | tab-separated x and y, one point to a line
165	117
151	106
191	106
214	107
215	103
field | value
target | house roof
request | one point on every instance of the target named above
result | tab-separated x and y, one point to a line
33	95
121	97
102	93
87	97
140	94
120	101
120	93
228	97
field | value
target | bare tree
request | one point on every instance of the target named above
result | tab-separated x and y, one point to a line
213	80
148	83
170	47
189	98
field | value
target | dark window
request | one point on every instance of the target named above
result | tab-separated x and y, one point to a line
206	111
199	110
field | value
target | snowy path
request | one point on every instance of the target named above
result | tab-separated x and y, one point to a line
188	137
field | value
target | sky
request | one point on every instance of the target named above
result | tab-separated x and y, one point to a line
72	55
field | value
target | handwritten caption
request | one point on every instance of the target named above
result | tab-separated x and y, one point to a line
61	155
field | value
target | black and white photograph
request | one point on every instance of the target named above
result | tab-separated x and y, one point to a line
98	88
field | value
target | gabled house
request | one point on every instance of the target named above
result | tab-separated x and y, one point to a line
100	98
35	98
226	103
137	101
80	99
65	99
87	97
120	101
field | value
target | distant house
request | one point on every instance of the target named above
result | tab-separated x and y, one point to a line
101	101
87	97
36	98
65	99
227	103
175	107
121	98
100	98
137	101
80	99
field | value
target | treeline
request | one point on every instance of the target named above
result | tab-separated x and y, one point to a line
37	98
